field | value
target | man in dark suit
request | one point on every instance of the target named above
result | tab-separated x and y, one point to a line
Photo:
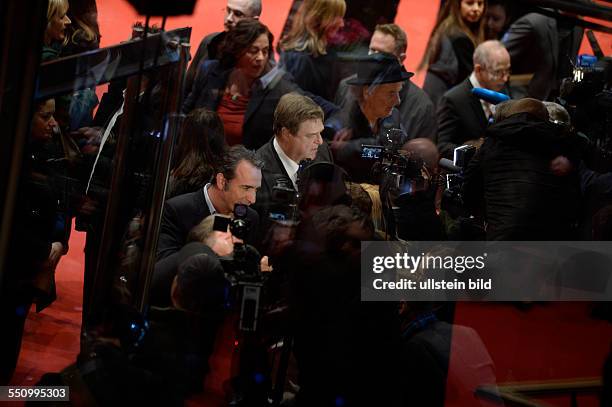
542	46
297	142
236	182
462	117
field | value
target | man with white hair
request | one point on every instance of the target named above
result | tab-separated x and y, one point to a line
235	11
416	110
462	117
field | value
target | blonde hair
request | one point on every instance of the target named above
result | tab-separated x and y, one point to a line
450	22
57	8
311	21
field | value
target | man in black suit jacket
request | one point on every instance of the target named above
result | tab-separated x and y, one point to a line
542	46
462	117
298	123
236	182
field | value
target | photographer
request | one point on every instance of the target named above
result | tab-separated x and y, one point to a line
409	200
182	334
202	240
511	175
235	182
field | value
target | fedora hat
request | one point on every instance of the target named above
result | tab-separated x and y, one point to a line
378	69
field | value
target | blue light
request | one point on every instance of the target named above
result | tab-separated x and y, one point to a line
340	401
259	378
20	311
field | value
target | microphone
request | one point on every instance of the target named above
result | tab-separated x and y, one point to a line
490	96
448	165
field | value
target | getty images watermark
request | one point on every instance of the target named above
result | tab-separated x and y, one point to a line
486	271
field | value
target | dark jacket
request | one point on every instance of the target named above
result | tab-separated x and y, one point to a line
272	171
181	214
452	65
523	199
208	90
208	49
416	109
167	268
460	118
534	44
349	155
319	76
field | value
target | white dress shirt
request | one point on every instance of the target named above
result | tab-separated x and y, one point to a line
290	166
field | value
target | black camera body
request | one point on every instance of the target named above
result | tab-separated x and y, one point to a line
284	202
242	271
452	198
587	96
404	171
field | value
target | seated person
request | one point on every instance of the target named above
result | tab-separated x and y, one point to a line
202	240
463	117
370	116
298	123
236	181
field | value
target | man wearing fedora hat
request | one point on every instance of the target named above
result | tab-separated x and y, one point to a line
416	108
376	90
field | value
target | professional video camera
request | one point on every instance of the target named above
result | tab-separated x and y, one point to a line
284	205
452	199
242	270
407	188
587	96
403	171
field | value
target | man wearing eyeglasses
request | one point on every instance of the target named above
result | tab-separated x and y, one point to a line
462	117
235	11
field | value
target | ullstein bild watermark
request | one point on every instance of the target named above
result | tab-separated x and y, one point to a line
486	271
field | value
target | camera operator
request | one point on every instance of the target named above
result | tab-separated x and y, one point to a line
366	119
202	239
511	175
182	333
235	182
297	143
339	341
410	205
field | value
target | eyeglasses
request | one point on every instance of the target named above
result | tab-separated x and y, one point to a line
499	73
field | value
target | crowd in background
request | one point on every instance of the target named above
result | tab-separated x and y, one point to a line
281	133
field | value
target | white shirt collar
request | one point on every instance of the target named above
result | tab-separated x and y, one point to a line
290	166
487	107
211	207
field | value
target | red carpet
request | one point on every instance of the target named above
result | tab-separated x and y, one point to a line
552	341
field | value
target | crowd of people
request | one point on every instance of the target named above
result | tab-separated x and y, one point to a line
281	138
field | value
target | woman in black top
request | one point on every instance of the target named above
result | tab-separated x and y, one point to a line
458	31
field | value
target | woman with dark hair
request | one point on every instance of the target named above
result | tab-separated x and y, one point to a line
497	19
242	87
304	49
199	149
40	235
459	29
